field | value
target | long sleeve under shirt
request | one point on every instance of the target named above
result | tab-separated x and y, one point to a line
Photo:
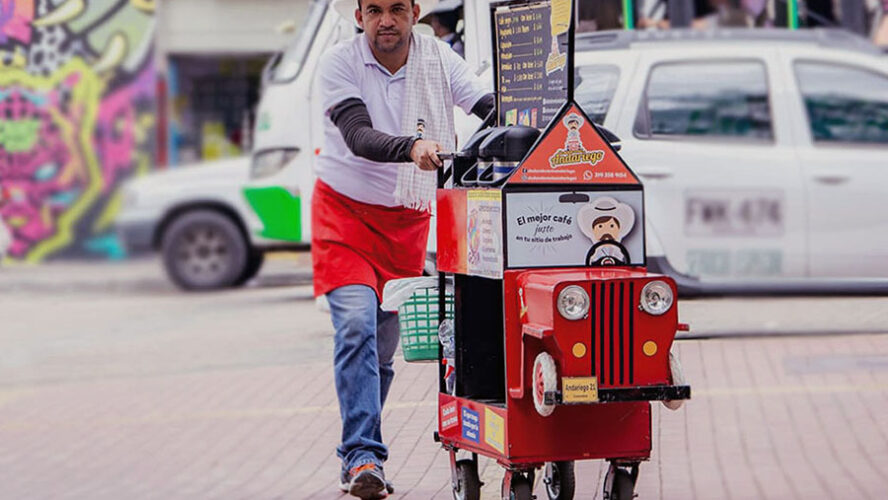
350	80
353	121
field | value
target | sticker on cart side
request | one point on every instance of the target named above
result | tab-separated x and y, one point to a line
576	390
449	415
471	425
574	228
572	151
484	230
494	430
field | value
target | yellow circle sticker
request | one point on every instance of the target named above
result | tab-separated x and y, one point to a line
579	350
649	348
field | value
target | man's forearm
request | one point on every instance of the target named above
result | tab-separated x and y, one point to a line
353	121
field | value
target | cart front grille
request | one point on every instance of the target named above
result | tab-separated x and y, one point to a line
613	333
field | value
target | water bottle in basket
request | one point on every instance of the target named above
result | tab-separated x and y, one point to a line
445	335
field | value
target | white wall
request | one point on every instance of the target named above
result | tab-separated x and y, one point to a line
226	26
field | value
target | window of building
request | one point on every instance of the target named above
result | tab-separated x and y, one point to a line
844	104
727	100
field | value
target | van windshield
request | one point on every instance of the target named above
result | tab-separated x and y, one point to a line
294	55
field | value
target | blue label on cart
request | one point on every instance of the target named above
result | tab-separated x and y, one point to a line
471	425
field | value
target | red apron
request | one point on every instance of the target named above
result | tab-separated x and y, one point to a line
354	243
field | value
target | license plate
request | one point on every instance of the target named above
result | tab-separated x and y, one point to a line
753	213
579	390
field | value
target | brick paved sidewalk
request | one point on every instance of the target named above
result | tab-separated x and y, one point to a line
771	418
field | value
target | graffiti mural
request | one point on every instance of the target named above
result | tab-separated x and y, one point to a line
77	117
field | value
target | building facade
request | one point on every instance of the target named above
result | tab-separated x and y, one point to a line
93	92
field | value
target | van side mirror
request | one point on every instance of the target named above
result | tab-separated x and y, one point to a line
610	137
269	68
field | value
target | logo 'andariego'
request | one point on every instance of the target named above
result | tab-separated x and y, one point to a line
564	157
574	153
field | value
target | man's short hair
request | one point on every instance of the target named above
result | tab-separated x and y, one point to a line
603	219
412	2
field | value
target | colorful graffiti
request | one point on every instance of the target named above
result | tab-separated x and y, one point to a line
77	108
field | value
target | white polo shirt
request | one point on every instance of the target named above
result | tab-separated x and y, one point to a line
349	70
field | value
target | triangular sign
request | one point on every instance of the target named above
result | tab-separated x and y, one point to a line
572	151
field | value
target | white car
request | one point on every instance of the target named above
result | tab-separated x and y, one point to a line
764	153
199	219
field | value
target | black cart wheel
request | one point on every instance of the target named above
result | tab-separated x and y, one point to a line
520	488
468	485
560	480
619	485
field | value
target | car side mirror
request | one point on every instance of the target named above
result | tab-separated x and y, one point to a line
610	137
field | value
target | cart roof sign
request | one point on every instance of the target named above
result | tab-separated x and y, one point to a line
573	151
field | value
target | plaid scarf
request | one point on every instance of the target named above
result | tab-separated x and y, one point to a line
428	113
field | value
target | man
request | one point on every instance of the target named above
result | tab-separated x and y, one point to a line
370	217
443	20
5	235
880	37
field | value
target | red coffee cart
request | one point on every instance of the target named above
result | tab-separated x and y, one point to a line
561	337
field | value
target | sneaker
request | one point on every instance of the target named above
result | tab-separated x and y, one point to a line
366	482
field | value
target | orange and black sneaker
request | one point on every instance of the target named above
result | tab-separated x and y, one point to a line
366	482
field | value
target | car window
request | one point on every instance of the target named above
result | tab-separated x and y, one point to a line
844	104
594	88
706	99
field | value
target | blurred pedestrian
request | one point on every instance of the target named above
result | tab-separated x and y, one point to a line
444	21
881	36
5	234
388	96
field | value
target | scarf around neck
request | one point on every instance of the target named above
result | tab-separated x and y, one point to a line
427	113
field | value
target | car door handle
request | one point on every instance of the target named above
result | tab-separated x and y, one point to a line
655	173
832	178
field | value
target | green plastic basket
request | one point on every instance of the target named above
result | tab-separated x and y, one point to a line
418	318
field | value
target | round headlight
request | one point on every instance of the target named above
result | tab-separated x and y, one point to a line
656	298
573	302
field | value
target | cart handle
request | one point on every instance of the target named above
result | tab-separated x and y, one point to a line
444	172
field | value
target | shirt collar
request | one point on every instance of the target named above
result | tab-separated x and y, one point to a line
370	60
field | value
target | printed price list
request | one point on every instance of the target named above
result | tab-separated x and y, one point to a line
530	68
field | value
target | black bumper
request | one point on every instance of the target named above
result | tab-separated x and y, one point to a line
626	394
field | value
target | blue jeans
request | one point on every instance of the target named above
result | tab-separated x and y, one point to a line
363	352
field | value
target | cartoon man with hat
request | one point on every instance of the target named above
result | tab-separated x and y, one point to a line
573	122
606	222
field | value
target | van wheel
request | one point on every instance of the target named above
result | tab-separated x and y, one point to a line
204	250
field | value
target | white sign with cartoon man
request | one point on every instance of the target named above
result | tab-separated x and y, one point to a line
606	222
574	228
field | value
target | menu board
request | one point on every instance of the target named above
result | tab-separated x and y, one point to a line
531	59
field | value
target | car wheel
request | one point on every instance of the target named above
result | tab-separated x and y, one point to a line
254	263
204	250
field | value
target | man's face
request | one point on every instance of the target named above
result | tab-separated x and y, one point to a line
604	230
387	22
